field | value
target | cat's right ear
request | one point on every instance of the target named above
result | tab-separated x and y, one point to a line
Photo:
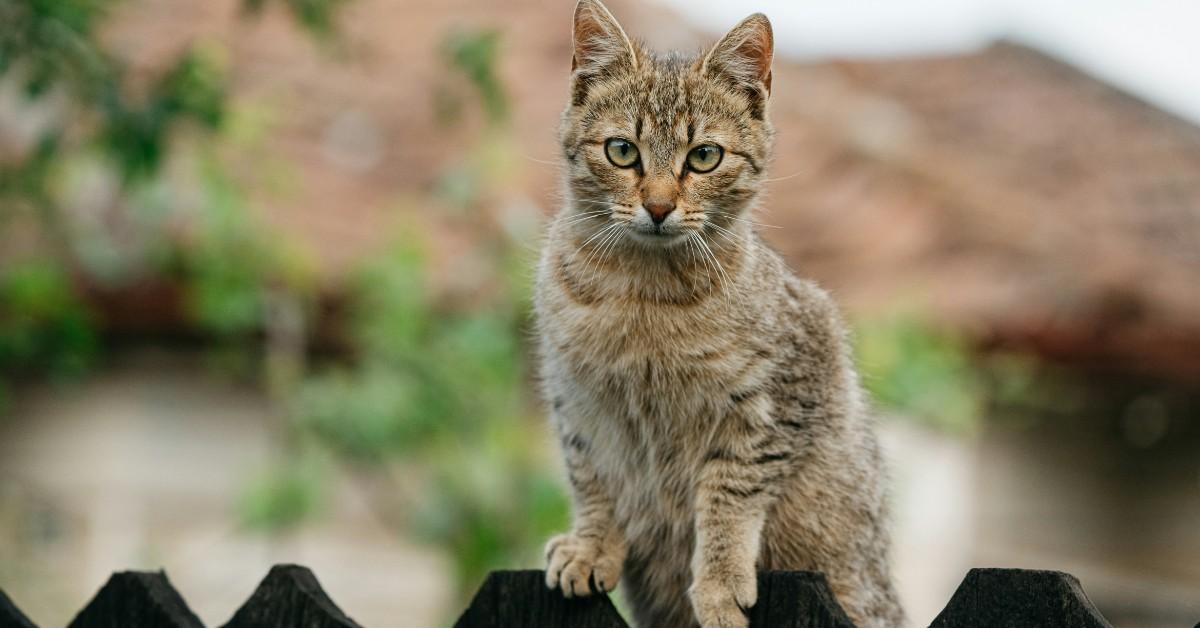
601	47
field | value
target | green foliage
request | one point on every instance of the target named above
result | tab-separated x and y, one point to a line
438	382
493	509
370	412
53	41
136	134
53	44
474	54
392	311
282	497
53	49
438	385
43	325
911	368
424	370
317	16
227	263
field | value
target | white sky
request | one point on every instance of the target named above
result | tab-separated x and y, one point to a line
1148	47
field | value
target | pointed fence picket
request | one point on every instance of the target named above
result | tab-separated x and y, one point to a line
290	596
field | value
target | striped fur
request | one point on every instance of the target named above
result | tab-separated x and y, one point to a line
710	417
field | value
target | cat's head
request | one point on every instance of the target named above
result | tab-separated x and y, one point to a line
660	148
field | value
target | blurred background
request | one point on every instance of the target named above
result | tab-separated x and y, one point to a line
265	270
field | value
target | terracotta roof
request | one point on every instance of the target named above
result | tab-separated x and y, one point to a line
1018	198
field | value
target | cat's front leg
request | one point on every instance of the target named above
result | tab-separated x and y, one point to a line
588	559
733	493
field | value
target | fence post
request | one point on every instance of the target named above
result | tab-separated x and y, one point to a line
290	596
1019	597
796	599
11	616
521	598
137	598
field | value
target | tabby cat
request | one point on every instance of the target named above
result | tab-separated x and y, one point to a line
709	413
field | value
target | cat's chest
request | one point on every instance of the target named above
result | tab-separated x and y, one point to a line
646	386
654	346
649	389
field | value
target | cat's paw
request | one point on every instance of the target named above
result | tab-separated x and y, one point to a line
576	565
723	601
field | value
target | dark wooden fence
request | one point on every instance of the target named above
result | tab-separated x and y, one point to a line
290	597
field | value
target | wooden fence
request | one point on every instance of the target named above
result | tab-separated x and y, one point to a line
290	597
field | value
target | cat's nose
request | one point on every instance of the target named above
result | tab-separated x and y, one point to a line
658	210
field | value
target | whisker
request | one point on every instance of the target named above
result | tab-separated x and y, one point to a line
790	176
612	232
691	240
607	246
597	234
579	248
593	199
749	222
695	250
581	217
541	161
715	272
726	282
592	212
737	246
729	236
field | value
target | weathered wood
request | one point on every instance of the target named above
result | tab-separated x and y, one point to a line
144	599
10	615
796	599
1019	598
290	596
521	598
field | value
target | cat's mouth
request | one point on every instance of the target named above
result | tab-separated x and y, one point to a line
657	235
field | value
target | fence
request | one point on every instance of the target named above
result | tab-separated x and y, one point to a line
291	597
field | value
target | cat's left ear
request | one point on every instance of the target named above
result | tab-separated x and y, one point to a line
743	56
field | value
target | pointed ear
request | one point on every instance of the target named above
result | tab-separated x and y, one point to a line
601	47
743	57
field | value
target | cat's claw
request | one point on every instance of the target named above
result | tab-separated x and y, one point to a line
580	567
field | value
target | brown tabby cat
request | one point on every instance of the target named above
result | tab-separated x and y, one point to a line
709	413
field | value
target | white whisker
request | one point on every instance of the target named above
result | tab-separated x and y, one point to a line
729	236
583	216
606	247
726	282
785	178
749	222
598	234
541	161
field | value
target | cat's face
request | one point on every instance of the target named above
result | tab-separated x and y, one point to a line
665	148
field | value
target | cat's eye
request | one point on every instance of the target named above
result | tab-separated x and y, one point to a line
622	153
704	158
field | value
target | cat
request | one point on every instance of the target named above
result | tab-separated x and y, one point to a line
709	413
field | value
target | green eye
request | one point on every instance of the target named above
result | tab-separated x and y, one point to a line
704	158
622	153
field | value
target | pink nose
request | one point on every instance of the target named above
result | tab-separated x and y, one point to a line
658	210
